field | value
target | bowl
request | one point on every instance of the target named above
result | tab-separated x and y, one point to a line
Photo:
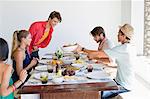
58	79
69	48
84	56
68	60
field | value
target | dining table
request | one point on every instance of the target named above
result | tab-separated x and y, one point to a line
81	85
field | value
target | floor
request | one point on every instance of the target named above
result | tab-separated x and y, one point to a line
143	69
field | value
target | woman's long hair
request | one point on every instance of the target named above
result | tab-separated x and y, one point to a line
17	36
4	50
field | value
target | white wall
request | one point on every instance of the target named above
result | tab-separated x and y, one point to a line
132	11
126	11
0	19
78	19
137	20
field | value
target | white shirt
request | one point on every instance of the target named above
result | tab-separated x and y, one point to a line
125	56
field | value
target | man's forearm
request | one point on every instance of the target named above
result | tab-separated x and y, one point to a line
89	51
98	55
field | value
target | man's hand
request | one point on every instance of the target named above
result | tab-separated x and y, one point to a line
91	55
78	49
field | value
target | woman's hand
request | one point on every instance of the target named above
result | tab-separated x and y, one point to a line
34	61
23	75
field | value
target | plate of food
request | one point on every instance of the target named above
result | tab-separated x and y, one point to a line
43	75
79	61
41	68
74	79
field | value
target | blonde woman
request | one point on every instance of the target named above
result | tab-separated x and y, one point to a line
21	58
6	84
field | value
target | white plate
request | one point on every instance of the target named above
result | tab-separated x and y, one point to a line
74	79
97	66
97	75
47	56
38	76
41	68
68	53
78	65
58	79
68	60
44	61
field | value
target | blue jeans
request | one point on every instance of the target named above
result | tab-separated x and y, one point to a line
112	93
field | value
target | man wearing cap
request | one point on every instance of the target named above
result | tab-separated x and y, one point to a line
125	56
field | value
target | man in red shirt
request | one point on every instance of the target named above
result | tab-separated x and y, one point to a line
41	33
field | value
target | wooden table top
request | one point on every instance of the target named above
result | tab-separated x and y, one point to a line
97	86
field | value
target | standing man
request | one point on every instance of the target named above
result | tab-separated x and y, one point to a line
41	33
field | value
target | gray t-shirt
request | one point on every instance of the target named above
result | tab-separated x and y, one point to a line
106	44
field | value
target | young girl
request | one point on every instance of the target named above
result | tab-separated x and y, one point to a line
6	84
21	58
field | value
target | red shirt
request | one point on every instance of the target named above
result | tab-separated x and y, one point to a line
37	30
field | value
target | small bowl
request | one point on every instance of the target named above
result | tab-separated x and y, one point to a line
83	56
68	60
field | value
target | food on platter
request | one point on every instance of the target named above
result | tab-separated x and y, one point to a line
79	61
68	72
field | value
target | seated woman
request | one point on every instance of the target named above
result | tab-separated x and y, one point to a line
21	58
6	84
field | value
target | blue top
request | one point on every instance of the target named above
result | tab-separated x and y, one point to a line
26	62
11	95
